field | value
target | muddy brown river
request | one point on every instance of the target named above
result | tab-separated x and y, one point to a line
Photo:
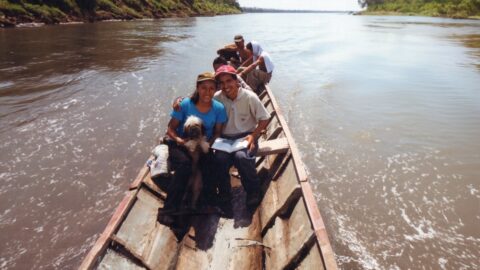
385	111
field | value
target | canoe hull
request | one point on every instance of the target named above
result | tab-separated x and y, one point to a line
286	231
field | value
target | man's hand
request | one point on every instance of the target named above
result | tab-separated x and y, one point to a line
251	142
176	104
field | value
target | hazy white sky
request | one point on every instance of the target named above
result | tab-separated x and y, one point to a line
302	4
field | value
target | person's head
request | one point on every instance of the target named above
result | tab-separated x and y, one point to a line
206	87
255	48
249	46
239	42
226	77
218	62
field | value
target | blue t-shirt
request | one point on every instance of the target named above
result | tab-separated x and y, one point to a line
215	115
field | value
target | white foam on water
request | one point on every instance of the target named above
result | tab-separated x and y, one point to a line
472	190
424	229
442	263
354	243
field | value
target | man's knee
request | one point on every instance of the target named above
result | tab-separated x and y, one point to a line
184	168
222	157
241	156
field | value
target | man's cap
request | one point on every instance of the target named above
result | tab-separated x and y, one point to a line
225	69
206	76
238	38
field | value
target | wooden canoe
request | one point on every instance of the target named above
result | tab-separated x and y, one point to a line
286	231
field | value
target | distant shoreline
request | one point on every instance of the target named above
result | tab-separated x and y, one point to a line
392	13
269	10
365	13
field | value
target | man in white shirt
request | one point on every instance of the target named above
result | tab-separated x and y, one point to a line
247	117
256	78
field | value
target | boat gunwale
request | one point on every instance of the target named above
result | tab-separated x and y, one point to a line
314	214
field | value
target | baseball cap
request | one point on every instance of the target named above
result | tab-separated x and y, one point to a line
206	76
225	69
238	38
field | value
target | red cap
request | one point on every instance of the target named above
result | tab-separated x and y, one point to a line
225	69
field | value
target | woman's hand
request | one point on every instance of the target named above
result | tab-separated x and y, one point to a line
179	141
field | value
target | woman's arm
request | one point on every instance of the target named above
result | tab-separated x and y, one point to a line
172	131
216	132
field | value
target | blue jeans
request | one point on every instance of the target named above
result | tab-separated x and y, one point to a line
244	161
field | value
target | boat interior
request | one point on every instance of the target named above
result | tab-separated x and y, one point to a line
285	231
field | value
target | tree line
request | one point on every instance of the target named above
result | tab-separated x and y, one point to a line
438	8
55	11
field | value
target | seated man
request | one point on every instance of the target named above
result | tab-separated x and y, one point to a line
244	54
256	78
247	117
220	61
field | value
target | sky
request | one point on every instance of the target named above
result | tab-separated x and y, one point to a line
338	5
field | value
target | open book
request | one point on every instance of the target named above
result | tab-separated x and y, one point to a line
229	146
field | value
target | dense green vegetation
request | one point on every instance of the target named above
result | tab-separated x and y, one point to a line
54	11
438	8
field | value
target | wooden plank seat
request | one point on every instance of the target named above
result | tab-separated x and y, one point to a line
270	147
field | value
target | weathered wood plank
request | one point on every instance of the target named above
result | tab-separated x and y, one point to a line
280	194
290	239
143	235
312	208
137	228
154	187
312	261
163	251
141	175
113	260
318	226
100	246
220	243
301	172
237	247
121	245
275	146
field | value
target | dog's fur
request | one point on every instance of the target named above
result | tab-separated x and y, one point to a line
196	144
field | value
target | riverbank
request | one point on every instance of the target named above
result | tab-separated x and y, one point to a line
467	9
394	13
30	13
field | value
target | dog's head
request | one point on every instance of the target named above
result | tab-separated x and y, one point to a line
193	128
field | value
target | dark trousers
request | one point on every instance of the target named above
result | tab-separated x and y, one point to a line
244	161
181	163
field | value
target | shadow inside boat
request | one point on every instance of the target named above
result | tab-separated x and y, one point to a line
201	225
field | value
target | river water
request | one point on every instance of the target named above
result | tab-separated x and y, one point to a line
385	110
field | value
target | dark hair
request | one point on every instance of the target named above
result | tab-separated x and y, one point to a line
249	46
220	60
196	96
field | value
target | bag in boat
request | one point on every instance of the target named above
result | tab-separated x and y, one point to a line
159	166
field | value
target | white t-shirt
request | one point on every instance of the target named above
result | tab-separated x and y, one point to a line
243	113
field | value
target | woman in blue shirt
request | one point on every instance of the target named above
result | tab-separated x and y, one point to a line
213	115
